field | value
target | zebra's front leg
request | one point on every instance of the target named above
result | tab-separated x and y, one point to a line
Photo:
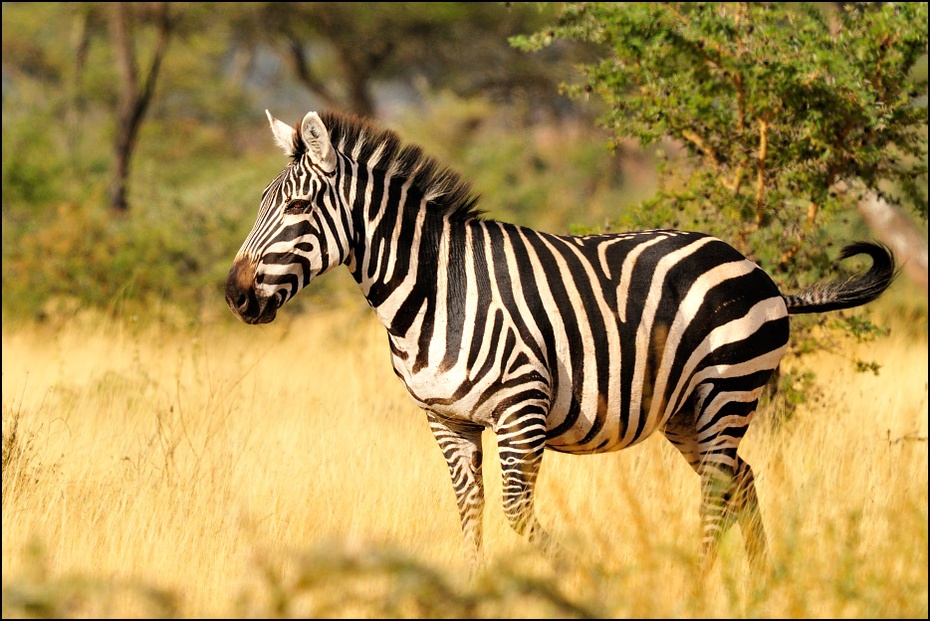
521	439
460	442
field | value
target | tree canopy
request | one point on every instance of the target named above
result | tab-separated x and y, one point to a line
766	114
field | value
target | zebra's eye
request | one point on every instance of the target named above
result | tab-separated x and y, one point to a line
297	206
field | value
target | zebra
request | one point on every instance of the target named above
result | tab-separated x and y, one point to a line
577	344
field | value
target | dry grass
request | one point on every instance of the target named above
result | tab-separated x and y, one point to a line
283	471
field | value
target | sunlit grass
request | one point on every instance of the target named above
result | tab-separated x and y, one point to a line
282	470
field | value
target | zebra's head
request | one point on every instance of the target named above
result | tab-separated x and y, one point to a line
299	232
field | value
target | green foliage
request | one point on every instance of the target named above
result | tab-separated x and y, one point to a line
860	328
82	256
785	392
340	51
759	110
758	113
38	169
67	251
866	366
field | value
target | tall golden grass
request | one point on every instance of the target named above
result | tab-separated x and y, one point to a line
283	471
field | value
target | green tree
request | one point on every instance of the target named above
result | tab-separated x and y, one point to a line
103	68
773	119
774	122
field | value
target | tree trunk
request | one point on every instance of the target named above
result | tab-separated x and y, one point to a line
81	45
133	101
360	99
895	230
305	73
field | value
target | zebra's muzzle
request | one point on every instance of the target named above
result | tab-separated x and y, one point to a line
242	298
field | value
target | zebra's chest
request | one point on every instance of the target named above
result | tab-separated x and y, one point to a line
451	391
473	376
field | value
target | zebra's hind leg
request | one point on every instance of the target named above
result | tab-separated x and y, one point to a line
729	494
746	503
708	438
460	443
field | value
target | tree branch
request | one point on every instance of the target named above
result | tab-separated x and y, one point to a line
165	26
306	75
760	170
890	225
694	138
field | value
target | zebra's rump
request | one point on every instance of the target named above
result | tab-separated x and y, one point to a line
682	313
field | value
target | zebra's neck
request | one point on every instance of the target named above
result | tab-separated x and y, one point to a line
401	258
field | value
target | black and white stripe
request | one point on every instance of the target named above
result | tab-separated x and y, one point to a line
575	344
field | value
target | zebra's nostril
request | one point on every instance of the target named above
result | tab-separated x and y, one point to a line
242	301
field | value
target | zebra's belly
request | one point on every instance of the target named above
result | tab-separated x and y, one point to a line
579	419
596	424
589	407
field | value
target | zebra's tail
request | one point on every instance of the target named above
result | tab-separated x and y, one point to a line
855	291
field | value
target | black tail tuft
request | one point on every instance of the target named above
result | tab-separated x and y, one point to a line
852	292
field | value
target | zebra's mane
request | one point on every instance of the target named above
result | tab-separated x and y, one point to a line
443	188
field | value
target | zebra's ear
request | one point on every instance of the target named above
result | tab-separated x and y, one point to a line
284	135
316	137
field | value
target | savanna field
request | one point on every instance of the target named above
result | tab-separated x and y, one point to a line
282	470
161	459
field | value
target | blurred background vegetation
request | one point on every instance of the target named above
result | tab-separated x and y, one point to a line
135	146
442	74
